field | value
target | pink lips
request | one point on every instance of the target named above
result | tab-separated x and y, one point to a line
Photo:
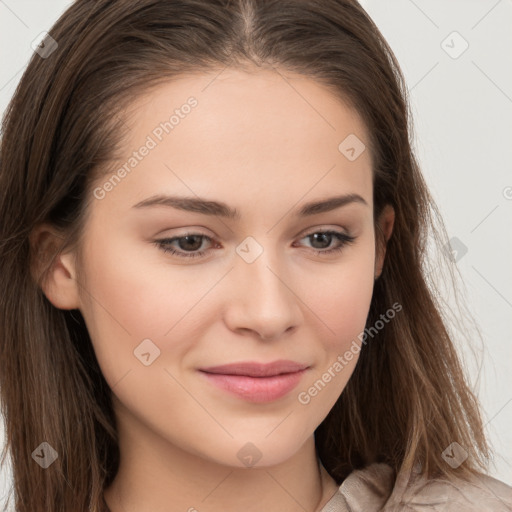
256	382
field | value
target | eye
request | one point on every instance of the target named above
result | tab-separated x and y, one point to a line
188	245
324	239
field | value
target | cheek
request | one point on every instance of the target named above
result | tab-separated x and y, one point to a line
132	295
124	303
339	295
340	300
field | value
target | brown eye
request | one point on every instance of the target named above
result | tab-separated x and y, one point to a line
184	246
321	240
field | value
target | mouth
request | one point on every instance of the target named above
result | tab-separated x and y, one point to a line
254	369
255	382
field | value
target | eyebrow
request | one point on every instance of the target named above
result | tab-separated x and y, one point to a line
208	207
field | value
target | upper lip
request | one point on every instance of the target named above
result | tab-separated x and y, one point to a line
254	369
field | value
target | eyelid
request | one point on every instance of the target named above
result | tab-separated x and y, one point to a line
322	228
187	231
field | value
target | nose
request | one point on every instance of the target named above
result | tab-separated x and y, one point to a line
262	299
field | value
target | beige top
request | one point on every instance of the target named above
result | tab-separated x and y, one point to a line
374	489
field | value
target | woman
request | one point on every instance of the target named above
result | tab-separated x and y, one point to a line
213	228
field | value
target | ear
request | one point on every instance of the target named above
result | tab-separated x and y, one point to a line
54	271
385	223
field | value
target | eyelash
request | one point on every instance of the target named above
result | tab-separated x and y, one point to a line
164	244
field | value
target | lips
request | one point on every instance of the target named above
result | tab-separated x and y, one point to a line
256	382
253	369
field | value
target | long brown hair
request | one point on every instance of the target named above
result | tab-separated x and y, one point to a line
407	399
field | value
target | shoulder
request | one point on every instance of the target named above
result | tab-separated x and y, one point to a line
375	488
483	494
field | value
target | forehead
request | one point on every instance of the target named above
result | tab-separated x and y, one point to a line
246	131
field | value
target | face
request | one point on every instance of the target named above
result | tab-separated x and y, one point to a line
168	289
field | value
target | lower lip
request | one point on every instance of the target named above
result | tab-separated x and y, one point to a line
256	389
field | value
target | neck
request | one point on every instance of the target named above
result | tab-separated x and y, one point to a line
155	475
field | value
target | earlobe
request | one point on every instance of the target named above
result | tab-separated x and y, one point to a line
55	272
386	222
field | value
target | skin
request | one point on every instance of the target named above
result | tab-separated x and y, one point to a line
265	148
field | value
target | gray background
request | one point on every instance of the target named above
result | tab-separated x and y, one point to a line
462	108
